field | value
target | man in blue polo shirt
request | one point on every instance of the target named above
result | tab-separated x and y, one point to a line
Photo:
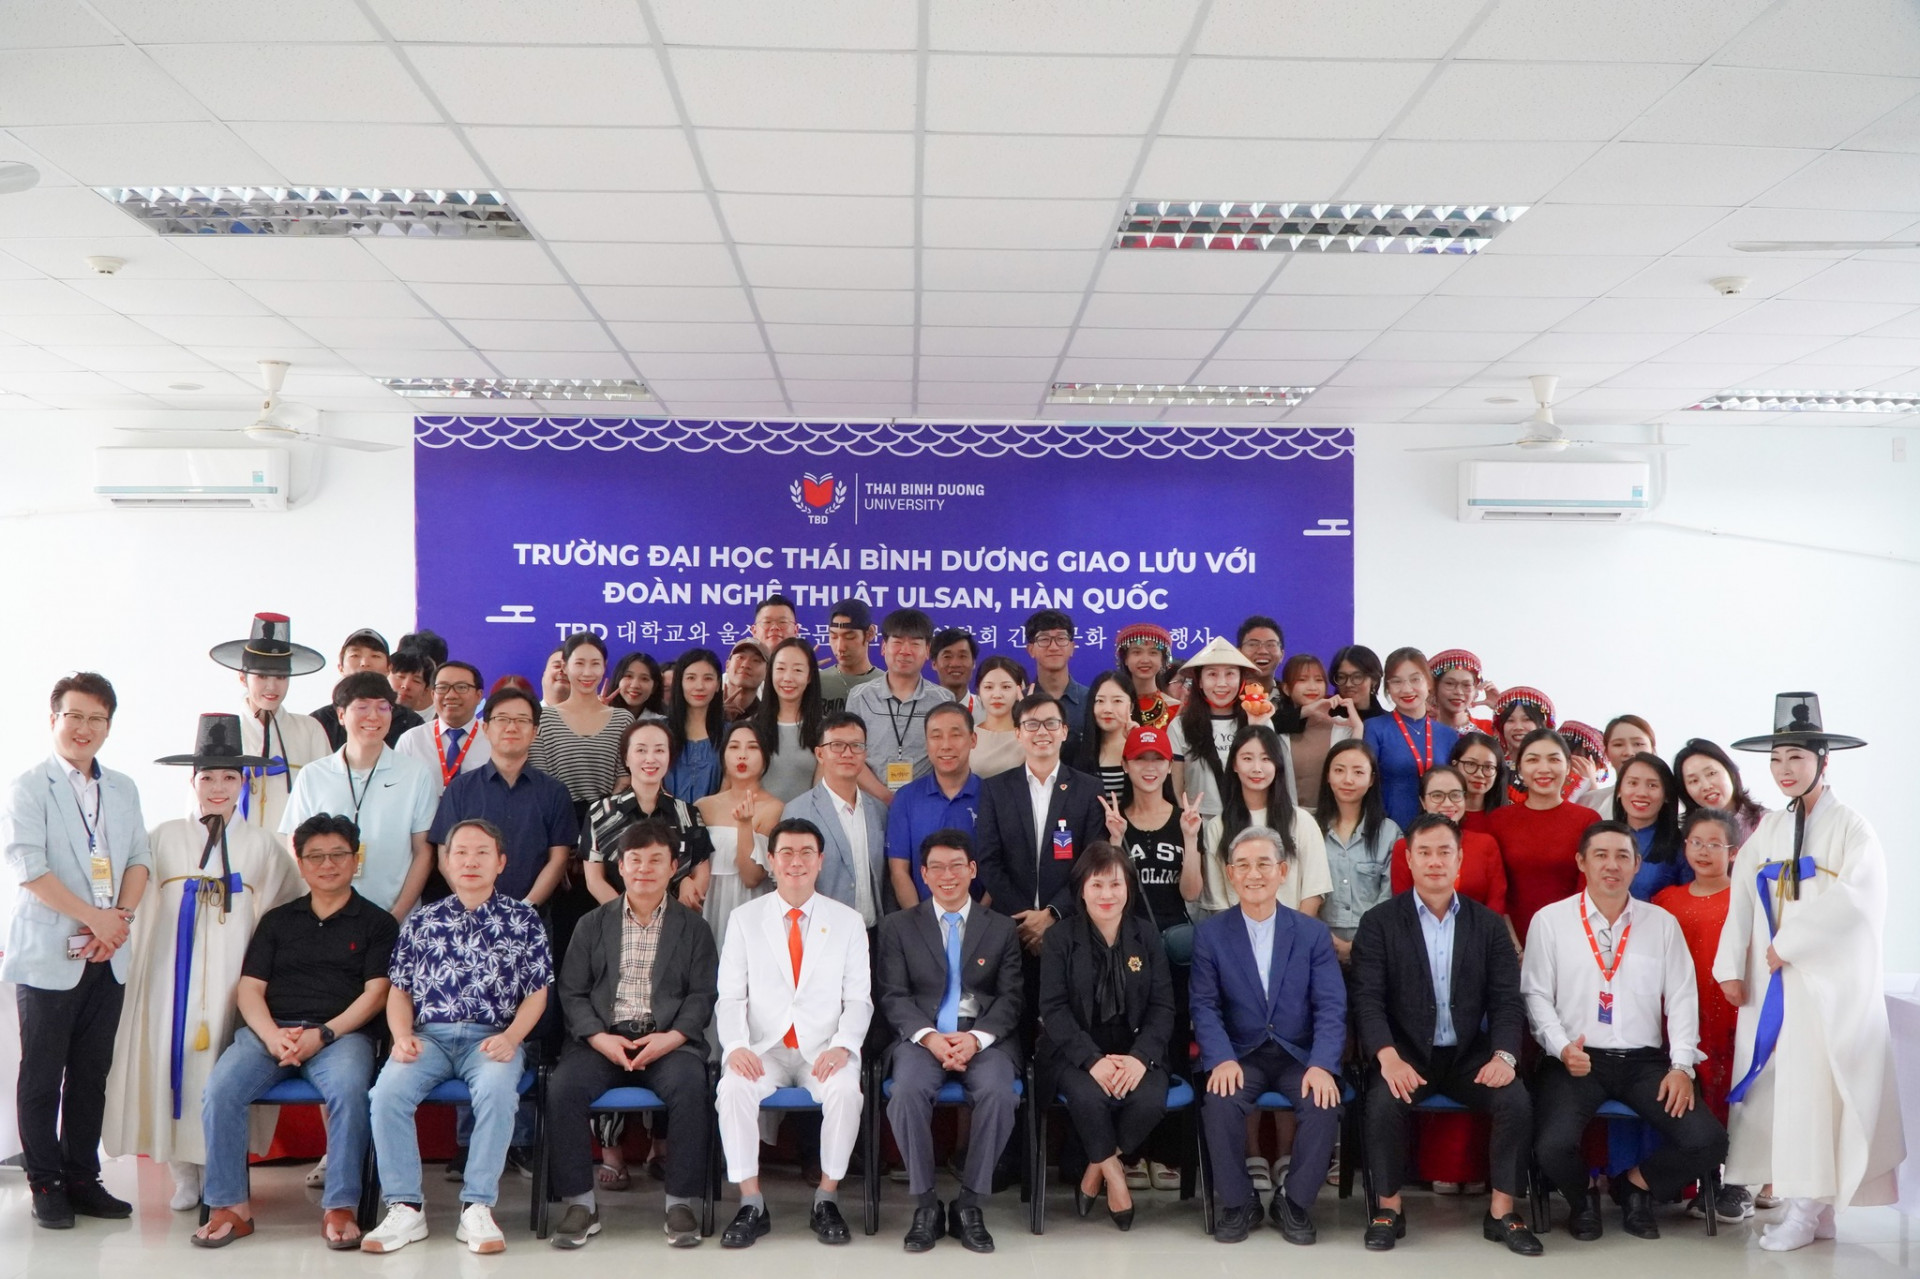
947	798
532	810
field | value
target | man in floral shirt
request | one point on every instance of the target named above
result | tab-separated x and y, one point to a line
470	975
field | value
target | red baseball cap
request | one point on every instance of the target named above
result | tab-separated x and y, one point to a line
1146	741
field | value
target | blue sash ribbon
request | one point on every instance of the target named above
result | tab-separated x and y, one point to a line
183	974
1766	1035
276	767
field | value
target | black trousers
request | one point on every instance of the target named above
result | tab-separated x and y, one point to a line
1695	1143
1268	1068
1449	1074
66	1050
1107	1127
583	1074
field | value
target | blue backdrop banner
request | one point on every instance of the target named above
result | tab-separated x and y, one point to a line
662	534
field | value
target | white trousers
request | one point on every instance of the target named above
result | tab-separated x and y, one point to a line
737	1101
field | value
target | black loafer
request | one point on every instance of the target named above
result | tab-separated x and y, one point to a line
1512	1231
90	1199
1294	1223
828	1225
1232	1225
968	1224
928	1224
1636	1211
1387	1225
747	1225
51	1209
1583	1219
1082	1201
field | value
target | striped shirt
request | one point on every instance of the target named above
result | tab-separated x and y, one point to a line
587	766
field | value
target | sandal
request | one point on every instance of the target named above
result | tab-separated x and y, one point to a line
340	1219
240	1228
611	1178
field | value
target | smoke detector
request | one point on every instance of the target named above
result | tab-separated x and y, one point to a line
1728	286
105	266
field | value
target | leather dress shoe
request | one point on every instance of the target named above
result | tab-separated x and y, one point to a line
1583	1218
1636	1210
929	1223
1232	1225
747	1225
51	1210
1512	1231
1384	1228
90	1199
968	1224
828	1225
1294	1223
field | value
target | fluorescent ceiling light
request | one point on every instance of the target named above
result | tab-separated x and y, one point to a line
515	388
1312	228
1149	393
1809	402
323	211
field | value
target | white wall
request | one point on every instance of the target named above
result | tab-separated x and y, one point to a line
1694	632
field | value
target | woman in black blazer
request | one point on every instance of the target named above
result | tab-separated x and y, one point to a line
1106	1012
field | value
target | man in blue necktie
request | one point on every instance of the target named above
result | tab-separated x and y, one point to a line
949	985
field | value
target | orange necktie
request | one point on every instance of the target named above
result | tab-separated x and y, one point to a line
793	952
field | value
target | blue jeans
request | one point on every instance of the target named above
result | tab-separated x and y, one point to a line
447	1051
342	1072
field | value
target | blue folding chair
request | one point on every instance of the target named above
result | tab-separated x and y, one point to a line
453	1092
622	1101
1349	1143
878	1091
1539	1196
1181	1098
298	1092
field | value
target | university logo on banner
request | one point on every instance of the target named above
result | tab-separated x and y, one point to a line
818	496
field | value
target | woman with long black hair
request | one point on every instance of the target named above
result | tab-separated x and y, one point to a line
1710	779
1647	799
635	687
1103	746
1256	795
787	719
1483	766
1359	838
1357	676
1210	722
695	717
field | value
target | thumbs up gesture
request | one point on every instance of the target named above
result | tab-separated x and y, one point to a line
1574	1057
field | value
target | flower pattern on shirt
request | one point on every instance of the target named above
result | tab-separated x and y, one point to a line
477	965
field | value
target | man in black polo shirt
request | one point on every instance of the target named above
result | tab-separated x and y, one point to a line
314	976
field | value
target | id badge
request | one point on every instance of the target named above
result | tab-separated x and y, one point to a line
899	773
102	876
360	860
1606	1008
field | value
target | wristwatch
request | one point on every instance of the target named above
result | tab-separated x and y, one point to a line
326	1034
1513	1063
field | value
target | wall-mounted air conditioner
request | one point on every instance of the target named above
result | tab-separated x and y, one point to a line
1564	492
191	479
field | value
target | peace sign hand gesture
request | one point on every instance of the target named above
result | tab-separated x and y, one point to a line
1190	814
1116	824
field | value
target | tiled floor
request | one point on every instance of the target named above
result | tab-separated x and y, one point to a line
1165	1243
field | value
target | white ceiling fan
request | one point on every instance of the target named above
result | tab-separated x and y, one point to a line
1542	434
279	422
1820	246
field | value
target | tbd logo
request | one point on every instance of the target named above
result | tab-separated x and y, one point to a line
818	496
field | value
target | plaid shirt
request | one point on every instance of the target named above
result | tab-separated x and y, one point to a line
639	944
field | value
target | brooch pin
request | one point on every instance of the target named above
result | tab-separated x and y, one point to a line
1133	963
981	962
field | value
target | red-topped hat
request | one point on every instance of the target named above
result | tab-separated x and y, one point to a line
1585	739
1454	659
1146	741
1533	698
1143	634
268	650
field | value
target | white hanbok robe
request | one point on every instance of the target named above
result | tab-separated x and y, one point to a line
1822	1120
139	1115
303	740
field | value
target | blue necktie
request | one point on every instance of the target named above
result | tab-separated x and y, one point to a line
948	1019
453	745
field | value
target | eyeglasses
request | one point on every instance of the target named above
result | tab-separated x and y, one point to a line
1260	646
456	688
327	859
1265	866
1477	770
1351	677
76	718
1446	796
1405	683
1708	845
844	748
1042	725
511	721
931	869
1049	639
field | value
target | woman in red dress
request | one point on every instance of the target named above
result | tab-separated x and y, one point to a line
1478	758
1701	909
1538	837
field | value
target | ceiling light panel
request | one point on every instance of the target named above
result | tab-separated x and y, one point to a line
1312	228
320	211
1167	393
1808	402
516	388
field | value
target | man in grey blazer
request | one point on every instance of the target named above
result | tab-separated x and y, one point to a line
853	823
76	847
637	992
949	988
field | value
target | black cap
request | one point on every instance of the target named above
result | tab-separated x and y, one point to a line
856	612
367	637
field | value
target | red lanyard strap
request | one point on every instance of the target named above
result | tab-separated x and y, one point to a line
447	774
1427	722
1619	951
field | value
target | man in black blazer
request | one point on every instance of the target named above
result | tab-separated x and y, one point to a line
1026	866
637	991
1436	998
949	987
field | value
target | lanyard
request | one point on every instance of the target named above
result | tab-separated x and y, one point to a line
899	738
1427	722
1619	951
92	827
447	773
360	798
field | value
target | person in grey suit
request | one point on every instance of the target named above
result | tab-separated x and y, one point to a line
637	991
76	846
949	987
853	869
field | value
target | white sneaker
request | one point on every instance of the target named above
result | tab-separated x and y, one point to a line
186	1185
1260	1173
317	1175
478	1231
1795	1230
404	1224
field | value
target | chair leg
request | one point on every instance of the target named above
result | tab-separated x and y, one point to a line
870	1163
1539	1204
1710	1189
537	1194
1204	1170
1037	1161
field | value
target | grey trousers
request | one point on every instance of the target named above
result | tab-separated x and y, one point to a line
989	1083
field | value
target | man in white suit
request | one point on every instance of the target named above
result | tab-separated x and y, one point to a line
795	1000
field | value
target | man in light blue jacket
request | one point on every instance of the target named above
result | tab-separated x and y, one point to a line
852	823
76	848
